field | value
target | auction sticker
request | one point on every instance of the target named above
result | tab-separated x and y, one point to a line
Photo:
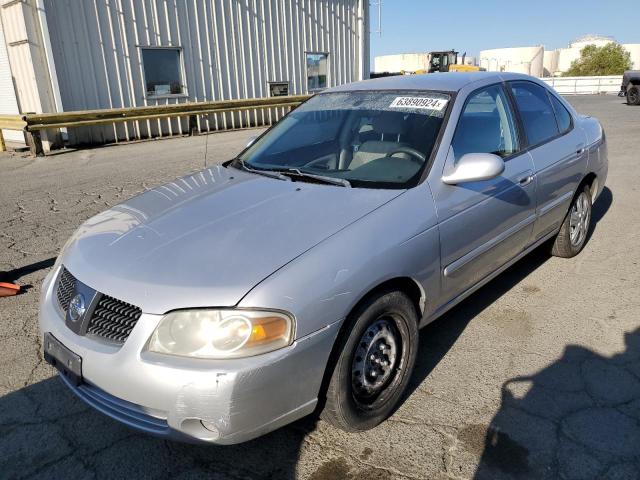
427	103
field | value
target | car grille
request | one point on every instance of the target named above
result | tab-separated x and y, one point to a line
113	319
66	287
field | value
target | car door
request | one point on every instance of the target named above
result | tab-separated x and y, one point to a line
484	224
557	149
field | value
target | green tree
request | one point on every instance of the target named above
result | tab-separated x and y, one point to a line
610	59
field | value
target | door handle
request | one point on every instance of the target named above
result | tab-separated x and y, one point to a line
525	180
579	149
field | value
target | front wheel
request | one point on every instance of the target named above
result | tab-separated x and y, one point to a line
375	362
575	228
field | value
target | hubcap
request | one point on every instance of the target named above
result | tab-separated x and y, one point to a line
579	218
375	358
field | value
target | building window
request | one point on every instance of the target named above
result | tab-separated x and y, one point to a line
278	89
162	71
316	71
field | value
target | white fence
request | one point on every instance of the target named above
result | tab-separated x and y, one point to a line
585	85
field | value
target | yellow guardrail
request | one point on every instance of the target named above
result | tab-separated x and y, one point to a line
32	123
10	122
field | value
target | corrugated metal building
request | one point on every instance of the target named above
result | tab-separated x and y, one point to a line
91	54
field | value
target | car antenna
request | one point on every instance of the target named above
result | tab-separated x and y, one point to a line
206	148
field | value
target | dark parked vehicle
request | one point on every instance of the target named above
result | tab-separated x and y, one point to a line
630	87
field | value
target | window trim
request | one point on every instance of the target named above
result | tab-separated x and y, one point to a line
528	147
306	70
181	71
551	96
522	141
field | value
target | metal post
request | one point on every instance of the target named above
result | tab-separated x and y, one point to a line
3	146
193	125
35	143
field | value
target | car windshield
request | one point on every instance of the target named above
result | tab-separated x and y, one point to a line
369	139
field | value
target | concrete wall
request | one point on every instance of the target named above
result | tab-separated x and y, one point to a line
585	85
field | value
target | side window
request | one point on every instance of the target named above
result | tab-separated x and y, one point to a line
317	67
162	71
536	111
486	125
562	114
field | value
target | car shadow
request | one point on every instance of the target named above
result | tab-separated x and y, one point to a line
600	208
577	418
438	337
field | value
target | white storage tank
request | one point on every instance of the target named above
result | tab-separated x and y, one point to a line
527	60
409	62
634	50
550	62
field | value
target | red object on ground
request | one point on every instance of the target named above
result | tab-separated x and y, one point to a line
8	289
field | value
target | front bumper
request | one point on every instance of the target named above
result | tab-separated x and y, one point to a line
171	397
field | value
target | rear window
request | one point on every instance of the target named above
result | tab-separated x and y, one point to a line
536	112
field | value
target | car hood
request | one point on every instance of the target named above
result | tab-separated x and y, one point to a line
208	238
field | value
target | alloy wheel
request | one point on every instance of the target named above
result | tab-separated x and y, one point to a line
580	216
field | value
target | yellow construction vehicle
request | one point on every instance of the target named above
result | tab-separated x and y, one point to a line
447	61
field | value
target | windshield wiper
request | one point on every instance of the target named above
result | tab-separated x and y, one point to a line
266	173
296	172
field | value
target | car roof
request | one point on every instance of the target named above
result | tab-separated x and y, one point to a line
445	82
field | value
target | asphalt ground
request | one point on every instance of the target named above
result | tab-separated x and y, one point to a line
537	375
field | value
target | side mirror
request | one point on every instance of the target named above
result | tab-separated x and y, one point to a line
475	167
251	140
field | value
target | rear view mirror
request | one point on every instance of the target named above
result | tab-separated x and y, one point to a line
475	167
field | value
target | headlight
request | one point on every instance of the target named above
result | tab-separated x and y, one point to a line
221	333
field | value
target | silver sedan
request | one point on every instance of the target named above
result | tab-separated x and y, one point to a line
294	278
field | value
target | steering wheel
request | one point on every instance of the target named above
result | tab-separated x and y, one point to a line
410	151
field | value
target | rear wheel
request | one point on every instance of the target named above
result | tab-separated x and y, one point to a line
575	228
375	363
633	95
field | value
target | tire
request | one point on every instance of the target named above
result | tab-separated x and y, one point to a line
633	95
362	391
575	228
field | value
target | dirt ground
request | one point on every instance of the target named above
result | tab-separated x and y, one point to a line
537	375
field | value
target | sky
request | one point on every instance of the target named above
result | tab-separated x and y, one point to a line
410	26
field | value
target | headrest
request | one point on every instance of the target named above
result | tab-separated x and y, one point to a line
391	123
